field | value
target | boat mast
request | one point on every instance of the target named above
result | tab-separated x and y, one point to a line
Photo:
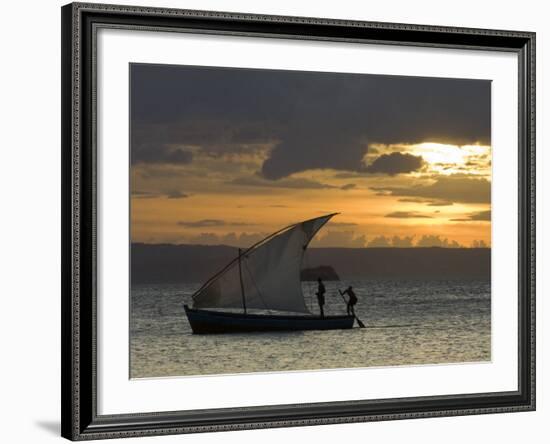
242	285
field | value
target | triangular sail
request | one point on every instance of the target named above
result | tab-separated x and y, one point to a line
269	270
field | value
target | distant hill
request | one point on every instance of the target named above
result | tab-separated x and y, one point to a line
167	263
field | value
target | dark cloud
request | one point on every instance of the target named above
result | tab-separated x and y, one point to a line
413	200
479	216
176	195
430	203
407	215
144	194
290	182
342	224
162	171
210	223
445	166
151	153
152	194
312	119
349	175
447	188
395	163
348	186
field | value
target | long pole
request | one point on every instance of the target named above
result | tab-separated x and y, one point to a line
359	322
242	285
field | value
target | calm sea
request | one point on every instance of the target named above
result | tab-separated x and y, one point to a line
408	322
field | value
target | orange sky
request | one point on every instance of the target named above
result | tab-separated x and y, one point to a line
230	155
221	199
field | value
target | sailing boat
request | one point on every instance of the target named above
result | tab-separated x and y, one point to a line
265	276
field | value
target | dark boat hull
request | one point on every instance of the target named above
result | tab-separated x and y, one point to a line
208	321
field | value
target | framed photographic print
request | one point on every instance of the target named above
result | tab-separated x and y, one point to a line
279	221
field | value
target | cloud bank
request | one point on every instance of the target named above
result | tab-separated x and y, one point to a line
395	163
407	215
311	120
479	216
454	188
211	223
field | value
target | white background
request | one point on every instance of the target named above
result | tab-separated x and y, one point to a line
30	233
117	394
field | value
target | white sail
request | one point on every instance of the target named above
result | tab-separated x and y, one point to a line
267	276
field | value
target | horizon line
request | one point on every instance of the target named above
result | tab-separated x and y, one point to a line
390	247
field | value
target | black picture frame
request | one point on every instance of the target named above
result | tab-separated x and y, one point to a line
78	332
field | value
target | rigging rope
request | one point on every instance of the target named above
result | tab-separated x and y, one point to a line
256	286
308	282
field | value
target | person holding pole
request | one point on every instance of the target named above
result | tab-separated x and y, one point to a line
351	301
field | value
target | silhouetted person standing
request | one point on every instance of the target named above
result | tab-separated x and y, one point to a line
321	296
351	301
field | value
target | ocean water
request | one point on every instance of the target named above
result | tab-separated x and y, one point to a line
408	322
